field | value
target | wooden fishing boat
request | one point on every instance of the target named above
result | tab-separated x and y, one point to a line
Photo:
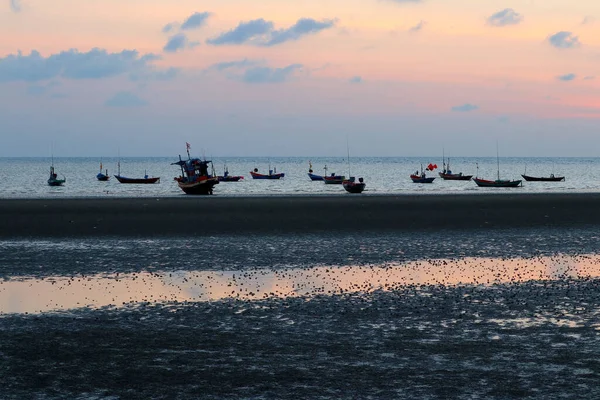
422	177
102	177
498	182
53	179
272	174
333	179
195	177
352	186
228	178
550	178
144	180
447	175
314	177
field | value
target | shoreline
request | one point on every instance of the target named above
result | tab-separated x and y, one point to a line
280	214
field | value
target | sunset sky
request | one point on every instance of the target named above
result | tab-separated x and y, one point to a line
299	78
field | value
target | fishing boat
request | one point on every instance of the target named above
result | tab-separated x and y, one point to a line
272	174
195	176
333	179
102	176
53	179
422	177
550	178
145	180
447	175
313	177
228	178
498	182
350	184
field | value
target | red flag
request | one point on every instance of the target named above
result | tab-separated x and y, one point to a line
430	167
434	166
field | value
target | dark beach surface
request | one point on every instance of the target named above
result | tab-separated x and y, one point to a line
293	297
210	215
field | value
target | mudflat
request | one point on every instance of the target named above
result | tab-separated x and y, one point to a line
212	215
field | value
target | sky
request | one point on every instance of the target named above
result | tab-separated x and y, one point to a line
300	78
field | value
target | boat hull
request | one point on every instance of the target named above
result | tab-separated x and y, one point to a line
455	177
56	182
314	177
203	187
354	187
543	179
102	177
497	183
229	178
420	179
256	175
123	179
334	180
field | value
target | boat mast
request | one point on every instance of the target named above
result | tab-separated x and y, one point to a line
348	148
497	160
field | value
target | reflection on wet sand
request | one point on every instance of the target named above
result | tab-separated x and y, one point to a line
95	291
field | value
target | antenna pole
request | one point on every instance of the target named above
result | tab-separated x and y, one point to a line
348	148
497	160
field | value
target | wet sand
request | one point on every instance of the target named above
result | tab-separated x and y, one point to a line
210	215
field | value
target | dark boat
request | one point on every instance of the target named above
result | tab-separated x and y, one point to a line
102	177
272	174
447	175
313	177
550	178
53	179
497	183
195	177
144	180
229	178
422	177
352	186
334	179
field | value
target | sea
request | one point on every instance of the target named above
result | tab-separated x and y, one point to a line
26	177
480	314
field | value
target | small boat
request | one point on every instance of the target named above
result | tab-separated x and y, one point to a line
422	177
53	179
550	178
195	177
447	175
272	174
102	177
333	179
313	177
352	186
498	182
228	178
144	180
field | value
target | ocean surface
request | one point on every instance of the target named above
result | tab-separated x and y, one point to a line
502	314
26	177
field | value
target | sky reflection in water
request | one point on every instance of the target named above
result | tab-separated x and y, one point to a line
59	293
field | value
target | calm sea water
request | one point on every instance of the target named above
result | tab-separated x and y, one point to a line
26	177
